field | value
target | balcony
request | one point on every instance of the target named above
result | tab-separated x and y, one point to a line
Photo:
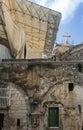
4	97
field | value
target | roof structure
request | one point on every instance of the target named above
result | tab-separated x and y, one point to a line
40	25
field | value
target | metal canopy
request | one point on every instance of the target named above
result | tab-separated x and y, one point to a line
40	24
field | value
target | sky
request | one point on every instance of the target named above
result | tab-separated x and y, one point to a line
72	18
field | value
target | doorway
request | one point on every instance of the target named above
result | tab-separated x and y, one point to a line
53	117
1	120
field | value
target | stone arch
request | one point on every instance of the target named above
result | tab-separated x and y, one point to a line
52	88
70	118
17	110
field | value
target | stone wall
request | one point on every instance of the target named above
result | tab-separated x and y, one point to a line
75	53
78	55
17	109
46	85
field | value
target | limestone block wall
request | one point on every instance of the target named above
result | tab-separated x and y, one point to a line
15	117
37	87
54	86
72	55
77	55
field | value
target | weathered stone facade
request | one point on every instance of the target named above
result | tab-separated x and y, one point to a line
35	86
60	51
65	52
37	94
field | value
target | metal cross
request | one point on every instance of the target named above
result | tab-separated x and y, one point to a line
66	36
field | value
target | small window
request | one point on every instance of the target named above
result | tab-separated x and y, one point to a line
71	86
18	122
25	51
79	107
81	54
1	120
35	120
53	117
79	67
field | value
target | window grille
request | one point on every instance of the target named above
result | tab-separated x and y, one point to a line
35	120
4	97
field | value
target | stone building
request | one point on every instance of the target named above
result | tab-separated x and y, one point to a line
40	95
36	93
65	52
61	51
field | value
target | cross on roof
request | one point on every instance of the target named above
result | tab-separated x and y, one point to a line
66	36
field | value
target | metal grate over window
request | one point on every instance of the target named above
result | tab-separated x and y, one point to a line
4	97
